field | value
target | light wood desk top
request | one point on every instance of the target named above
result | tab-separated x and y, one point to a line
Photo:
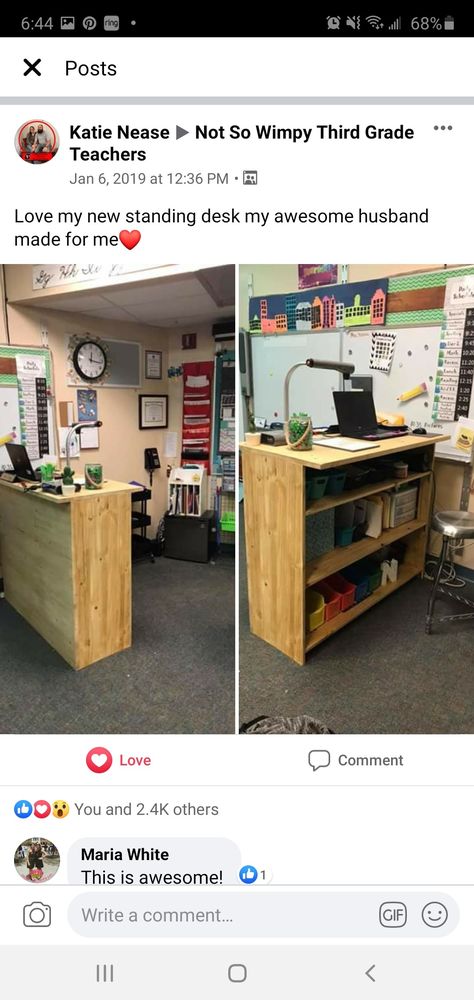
110	487
330	458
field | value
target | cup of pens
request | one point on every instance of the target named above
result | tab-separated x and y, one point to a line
94	476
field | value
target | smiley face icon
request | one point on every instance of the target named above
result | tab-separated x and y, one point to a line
60	809
434	914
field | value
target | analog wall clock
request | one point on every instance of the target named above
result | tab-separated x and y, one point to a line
89	359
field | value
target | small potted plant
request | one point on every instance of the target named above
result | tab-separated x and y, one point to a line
68	486
299	432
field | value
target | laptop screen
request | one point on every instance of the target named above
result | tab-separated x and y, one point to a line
355	412
19	458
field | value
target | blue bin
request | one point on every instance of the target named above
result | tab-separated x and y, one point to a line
336	482
355	574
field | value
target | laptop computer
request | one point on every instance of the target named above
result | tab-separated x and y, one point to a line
22	466
357	418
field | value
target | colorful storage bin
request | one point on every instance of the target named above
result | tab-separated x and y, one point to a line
332	600
344	536
228	521
336	482
344	588
360	579
315	484
314	610
374	573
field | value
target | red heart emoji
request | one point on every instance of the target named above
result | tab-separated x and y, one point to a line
130	238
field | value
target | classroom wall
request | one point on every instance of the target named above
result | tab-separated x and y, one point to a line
122	444
276	278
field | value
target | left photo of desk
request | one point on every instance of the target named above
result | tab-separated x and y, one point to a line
117	499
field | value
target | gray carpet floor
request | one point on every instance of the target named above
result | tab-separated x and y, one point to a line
178	677
381	674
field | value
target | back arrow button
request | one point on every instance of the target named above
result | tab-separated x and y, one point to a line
369	975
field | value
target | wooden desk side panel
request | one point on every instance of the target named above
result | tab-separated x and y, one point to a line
274	533
101	531
36	560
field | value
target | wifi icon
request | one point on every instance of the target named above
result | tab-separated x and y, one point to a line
374	21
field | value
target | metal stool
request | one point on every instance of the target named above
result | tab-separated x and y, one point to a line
452	525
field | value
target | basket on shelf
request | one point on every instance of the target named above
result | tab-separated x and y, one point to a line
228	521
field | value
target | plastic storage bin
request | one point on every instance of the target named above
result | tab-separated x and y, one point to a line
374	574
357	576
228	521
336	481
344	588
314	610
344	536
315	485
332	600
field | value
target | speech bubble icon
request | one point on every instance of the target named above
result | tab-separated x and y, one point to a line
319	758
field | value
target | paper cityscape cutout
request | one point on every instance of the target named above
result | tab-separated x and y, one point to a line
328	312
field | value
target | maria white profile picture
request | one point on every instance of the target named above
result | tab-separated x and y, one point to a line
37	860
37	141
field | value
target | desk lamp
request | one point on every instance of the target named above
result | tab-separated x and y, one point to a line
333	366
76	429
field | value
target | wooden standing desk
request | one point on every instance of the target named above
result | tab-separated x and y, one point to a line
275	512
67	567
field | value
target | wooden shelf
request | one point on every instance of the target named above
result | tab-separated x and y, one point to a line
406	572
327	502
336	559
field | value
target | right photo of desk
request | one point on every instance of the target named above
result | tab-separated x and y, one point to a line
356	498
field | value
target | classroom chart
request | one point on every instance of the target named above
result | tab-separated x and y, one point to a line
26	411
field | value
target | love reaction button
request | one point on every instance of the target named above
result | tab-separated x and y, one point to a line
99	760
42	809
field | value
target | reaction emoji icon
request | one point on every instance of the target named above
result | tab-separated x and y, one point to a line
60	809
42	809
23	809
434	914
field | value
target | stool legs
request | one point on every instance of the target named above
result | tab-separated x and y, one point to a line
439	570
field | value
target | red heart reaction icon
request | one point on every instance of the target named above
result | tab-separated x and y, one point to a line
130	237
42	809
99	759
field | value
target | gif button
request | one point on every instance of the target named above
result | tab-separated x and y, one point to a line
393	914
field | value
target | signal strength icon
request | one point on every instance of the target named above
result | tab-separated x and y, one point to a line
374	21
396	25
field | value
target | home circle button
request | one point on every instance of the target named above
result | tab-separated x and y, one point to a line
237	973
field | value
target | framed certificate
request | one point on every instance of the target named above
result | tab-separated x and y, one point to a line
152	412
153	364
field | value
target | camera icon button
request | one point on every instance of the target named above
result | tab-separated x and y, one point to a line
37	914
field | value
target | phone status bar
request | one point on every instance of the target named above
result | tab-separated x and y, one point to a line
162	25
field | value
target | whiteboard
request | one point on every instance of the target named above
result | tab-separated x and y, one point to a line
310	390
415	360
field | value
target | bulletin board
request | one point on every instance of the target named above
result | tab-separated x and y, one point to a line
310	390
26	402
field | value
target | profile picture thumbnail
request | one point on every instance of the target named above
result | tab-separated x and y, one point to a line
37	141
37	860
